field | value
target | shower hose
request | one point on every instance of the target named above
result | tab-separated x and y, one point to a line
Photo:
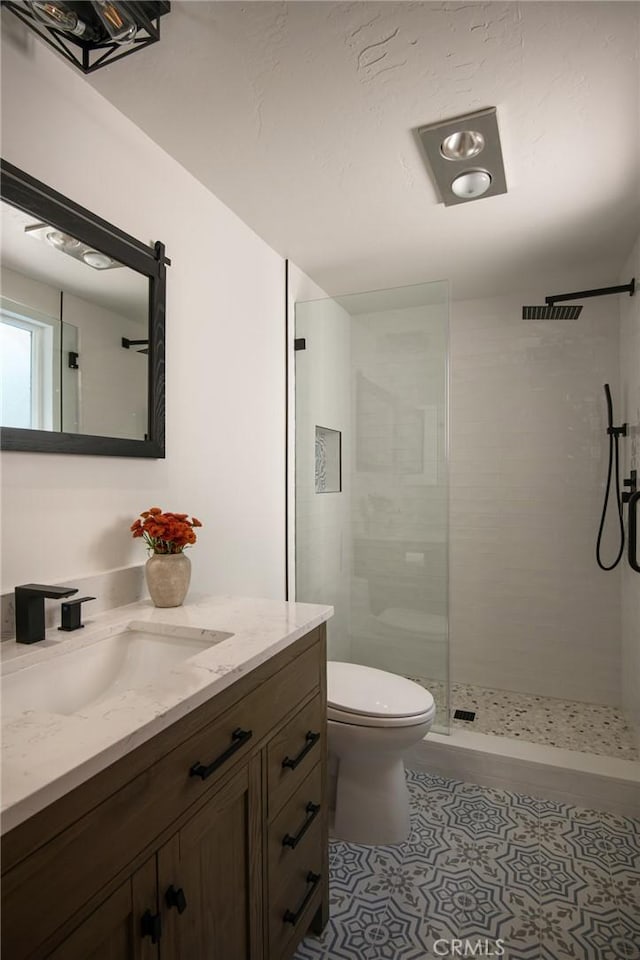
614	464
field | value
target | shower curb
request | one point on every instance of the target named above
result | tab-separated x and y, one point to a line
551	773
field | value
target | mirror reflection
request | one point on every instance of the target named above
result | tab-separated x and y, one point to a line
73	334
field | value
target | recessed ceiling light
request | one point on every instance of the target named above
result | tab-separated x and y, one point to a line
65	243
473	183
462	145
97	260
62	241
453	148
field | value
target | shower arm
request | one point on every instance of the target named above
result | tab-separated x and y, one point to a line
600	292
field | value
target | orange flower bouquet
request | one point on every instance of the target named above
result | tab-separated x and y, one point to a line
165	532
168	570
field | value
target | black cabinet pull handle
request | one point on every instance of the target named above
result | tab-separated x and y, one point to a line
310	741
292	918
176	898
238	738
312	809
151	926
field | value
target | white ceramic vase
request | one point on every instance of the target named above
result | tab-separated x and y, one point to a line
168	576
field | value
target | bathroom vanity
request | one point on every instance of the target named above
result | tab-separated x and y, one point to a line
185	820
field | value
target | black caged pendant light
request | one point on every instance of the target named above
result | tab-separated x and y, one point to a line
92	33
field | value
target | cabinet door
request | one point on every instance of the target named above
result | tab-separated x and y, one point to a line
210	877
114	931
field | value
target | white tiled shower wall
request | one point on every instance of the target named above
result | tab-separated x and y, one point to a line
630	413
530	611
399	523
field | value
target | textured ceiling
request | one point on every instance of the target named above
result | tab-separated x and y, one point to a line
300	117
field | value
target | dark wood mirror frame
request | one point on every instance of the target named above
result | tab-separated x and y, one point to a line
23	191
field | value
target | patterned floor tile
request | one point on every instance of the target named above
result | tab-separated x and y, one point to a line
352	864
572	832
488	814
545	880
357	932
429	841
598	846
552	877
525	951
622	847
466	902
478	856
314	948
600	936
625	890
407	935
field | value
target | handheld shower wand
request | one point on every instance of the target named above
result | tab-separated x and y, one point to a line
614	458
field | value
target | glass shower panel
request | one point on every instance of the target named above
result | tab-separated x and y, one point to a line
371	477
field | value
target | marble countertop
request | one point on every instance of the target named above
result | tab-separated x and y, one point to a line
46	754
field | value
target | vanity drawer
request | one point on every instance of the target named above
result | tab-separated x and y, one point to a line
293	902
300	824
293	752
191	769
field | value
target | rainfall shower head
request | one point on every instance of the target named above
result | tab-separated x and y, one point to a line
552	312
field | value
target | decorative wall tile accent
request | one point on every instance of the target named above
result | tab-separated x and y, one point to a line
328	460
475	868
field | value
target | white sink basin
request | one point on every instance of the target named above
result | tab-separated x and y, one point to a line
68	682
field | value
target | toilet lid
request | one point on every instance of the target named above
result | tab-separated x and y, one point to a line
355	689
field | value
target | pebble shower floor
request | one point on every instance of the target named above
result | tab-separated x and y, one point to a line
548	880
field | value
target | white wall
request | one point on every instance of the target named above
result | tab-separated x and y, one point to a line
630	413
69	515
113	381
30	292
530	610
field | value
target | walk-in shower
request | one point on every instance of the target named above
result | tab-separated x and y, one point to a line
380	526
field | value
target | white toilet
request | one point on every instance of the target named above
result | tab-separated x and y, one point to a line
373	717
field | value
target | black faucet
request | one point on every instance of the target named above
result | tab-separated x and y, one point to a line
29	600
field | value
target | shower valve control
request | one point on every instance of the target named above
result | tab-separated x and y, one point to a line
632	483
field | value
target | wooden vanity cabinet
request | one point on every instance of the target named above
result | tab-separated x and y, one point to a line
216	850
209	842
109	933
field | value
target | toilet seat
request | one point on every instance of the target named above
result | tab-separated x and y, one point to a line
366	697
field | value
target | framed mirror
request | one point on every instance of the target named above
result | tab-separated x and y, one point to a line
82	328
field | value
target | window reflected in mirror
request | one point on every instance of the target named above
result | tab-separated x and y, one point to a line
66	312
